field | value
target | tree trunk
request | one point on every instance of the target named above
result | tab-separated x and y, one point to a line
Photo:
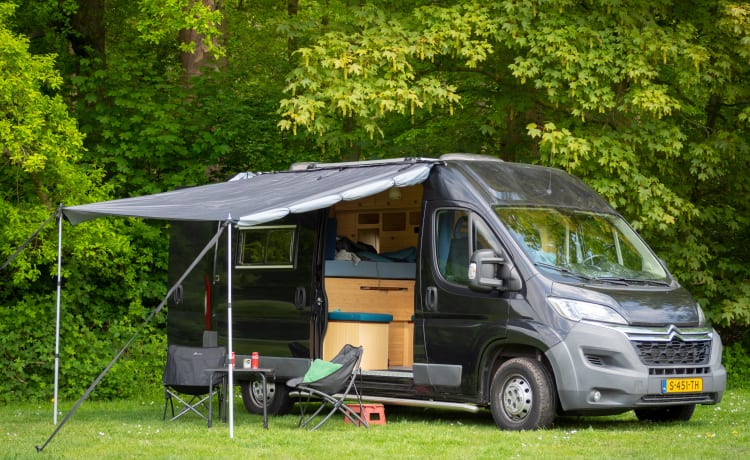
292	8
193	63
88	22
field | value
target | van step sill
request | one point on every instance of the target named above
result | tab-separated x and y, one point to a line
465	407
405	374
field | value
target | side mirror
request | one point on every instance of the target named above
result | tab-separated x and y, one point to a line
488	271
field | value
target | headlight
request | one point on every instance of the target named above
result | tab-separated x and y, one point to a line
701	315
577	310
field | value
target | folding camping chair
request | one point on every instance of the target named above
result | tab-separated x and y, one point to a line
185	374
332	381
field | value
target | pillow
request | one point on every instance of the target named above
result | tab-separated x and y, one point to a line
320	369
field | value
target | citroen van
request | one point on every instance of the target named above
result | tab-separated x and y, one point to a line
472	284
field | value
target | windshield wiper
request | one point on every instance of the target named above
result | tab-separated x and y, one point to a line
563	270
623	280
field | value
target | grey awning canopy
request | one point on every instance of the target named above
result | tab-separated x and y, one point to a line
264	197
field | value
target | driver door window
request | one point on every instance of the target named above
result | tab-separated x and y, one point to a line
459	233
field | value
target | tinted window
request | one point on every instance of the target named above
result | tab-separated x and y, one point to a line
267	247
459	233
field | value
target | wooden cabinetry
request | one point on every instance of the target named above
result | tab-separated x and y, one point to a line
385	221
372	295
373	337
401	343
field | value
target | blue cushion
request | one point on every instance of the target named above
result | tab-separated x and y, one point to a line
404	255
339	315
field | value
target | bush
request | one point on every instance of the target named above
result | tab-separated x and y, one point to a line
85	351
114	274
737	363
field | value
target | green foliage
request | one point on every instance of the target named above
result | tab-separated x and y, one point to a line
142	125
95	322
87	345
646	101
737	362
161	21
351	80
45	23
34	128
42	153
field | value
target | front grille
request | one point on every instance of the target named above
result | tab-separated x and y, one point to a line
673	352
687	398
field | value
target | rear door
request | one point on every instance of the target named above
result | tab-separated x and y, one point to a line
276	286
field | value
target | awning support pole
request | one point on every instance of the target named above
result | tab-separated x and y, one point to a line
57	313
230	363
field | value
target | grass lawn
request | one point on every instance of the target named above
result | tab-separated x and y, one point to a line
135	429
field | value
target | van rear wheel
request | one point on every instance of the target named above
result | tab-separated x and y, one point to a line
522	395
279	401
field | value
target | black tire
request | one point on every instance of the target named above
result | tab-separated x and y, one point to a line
666	414
279	402
522	395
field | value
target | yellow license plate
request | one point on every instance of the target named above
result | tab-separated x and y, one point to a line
682	385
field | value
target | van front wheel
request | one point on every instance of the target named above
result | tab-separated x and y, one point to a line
522	395
279	401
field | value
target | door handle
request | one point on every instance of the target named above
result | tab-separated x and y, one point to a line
178	295
300	297
431	298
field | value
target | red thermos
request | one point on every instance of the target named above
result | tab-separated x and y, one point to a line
254	360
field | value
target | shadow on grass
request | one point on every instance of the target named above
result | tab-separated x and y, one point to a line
483	418
127	411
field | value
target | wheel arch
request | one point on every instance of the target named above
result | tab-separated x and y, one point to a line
529	342
494	358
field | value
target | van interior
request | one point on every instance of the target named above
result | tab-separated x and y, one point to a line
370	268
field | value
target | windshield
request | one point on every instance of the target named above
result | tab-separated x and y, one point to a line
584	244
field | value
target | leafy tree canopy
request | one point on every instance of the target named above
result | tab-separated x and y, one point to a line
647	101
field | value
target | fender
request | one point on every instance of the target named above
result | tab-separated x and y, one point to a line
524	336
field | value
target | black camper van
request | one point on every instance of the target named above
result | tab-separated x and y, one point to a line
471	283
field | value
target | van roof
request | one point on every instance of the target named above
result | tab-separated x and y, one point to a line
502	183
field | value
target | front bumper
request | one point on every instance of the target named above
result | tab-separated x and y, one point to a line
601	368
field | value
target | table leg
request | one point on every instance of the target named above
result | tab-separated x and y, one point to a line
265	400
211	399
225	400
